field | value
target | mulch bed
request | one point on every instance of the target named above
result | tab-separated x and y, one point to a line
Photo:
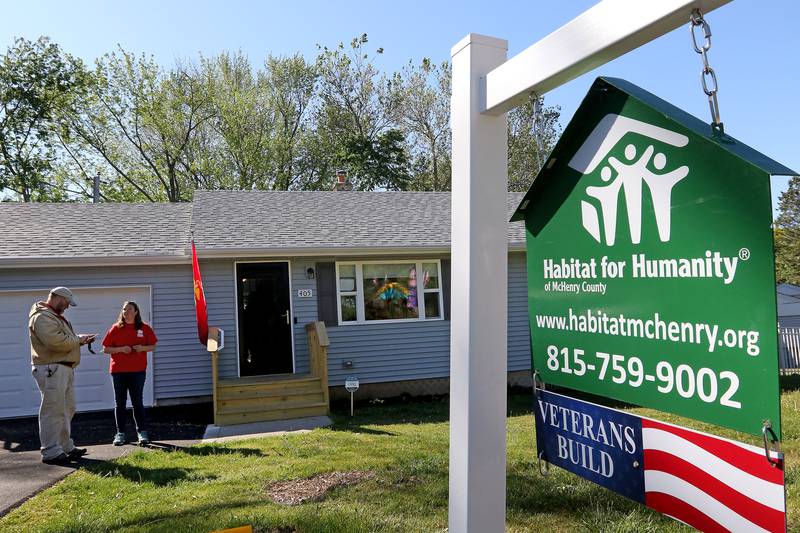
313	488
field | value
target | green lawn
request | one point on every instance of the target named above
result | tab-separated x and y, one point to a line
405	445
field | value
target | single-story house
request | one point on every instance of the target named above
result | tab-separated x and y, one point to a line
373	266
789	326
788	305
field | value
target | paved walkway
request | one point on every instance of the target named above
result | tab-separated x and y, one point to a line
264	429
22	473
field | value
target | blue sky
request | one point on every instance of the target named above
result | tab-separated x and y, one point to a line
754	46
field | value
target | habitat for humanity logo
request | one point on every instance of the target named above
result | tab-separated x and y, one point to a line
627	177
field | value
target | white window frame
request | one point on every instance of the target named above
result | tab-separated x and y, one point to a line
359	292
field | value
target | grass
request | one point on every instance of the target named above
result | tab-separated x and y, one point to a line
211	487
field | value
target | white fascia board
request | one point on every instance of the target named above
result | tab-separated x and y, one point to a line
600	34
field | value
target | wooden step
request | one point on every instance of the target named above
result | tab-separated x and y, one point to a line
269	400
235	393
285	412
269	378
232	388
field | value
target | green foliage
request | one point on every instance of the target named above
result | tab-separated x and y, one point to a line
154	133
787	235
381	163
217	486
38	86
292	84
424	115
533	131
355	119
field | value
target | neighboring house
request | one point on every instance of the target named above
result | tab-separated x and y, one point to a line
374	266
788	305
789	322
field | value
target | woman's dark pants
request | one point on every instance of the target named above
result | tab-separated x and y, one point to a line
129	383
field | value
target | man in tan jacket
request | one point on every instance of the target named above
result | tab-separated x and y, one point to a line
55	352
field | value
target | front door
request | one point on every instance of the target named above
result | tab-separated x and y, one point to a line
265	321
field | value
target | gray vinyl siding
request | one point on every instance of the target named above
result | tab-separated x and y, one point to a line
519	338
420	350
304	310
789	321
181	367
220	290
219	281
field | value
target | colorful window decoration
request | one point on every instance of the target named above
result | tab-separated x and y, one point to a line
372	291
390	291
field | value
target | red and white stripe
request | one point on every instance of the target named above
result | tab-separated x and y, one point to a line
710	483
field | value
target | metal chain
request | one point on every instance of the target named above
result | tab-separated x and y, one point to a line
696	20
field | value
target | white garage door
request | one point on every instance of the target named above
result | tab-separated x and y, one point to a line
96	311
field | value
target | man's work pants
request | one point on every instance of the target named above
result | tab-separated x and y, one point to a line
56	385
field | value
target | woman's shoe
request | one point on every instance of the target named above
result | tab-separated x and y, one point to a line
119	439
144	439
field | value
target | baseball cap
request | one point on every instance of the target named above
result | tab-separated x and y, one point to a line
66	293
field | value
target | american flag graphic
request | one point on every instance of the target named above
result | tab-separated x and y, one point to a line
711	483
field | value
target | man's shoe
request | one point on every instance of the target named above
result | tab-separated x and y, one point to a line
144	438
60	459
119	439
77	452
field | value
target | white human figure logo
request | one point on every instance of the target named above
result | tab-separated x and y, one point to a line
629	177
660	186
608	196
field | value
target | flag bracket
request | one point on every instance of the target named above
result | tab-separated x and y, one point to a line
538	384
771	445
544	466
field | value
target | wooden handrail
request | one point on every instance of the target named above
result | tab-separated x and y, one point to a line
213	347
318	354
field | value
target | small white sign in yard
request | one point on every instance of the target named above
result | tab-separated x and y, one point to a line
351	385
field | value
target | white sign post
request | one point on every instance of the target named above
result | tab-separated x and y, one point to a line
351	385
485	86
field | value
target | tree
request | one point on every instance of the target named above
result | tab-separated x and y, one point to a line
38	87
233	149
143	122
787	235
355	120
424	115
381	163
533	131
291	87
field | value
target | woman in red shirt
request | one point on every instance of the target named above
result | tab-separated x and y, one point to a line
128	342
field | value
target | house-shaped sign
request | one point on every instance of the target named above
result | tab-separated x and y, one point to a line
650	262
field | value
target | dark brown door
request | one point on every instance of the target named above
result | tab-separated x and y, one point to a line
265	329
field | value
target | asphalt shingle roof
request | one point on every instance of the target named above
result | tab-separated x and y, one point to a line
328	219
233	221
93	230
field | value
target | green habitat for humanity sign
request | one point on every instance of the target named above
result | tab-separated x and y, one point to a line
650	262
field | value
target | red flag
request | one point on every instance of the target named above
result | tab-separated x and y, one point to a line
199	300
